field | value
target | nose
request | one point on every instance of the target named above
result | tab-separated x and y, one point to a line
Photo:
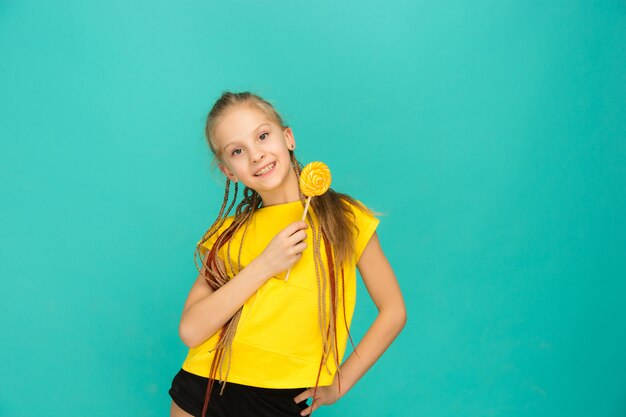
257	154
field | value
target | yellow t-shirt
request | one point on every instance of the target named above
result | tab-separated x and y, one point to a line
278	341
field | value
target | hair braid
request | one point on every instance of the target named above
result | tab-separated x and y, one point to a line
316	231
219	277
327	316
221	217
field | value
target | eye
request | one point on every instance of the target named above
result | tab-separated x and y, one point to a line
263	137
236	152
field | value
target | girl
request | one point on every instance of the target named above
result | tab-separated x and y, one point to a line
260	345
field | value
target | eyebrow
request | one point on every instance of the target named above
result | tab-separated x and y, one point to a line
235	141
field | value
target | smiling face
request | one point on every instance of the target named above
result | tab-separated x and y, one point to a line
254	149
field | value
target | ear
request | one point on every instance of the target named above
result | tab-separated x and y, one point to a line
289	139
227	172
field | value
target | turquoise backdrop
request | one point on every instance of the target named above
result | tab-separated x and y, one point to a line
492	134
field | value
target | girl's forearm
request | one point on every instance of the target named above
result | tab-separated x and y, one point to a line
206	316
377	339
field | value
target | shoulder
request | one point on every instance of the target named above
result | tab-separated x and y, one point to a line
365	222
213	233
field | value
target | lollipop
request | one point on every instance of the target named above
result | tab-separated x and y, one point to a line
314	180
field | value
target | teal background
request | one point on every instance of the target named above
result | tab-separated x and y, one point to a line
490	133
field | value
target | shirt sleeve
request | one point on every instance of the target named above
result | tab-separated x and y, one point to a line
365	225
206	246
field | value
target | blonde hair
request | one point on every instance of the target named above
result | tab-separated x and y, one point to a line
335	227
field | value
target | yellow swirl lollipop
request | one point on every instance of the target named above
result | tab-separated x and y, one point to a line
314	180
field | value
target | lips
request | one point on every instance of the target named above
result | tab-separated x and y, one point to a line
267	168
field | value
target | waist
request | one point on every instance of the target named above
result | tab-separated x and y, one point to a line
290	392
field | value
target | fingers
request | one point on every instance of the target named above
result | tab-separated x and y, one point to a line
300	247
304	396
295	238
301	397
296	235
314	406
287	246
294	227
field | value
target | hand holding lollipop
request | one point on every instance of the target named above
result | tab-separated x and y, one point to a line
314	180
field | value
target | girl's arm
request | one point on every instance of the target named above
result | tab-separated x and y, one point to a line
206	311
383	287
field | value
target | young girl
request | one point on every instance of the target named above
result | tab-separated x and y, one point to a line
261	345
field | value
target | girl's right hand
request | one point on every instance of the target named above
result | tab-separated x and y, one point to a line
284	250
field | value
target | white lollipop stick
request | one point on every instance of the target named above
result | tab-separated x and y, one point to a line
306	208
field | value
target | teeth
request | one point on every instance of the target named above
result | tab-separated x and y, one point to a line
266	169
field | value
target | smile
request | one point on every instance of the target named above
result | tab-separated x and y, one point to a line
265	170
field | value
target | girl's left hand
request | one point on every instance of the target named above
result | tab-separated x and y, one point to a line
325	395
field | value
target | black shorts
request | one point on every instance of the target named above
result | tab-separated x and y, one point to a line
188	391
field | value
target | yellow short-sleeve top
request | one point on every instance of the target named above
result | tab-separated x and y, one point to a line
278	342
